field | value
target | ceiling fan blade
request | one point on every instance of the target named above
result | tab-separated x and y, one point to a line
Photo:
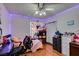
40	6
49	9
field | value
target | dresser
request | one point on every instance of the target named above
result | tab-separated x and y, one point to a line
74	49
57	44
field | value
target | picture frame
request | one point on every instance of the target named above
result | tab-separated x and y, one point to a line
70	22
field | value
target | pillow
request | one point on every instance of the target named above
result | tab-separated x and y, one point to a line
4	40
16	40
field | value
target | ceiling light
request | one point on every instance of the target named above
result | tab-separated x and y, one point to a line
40	14
36	12
44	13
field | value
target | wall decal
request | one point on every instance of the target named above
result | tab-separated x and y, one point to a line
70	22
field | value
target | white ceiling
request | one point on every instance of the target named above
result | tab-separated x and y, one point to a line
28	9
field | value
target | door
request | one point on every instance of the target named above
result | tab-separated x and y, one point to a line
51	29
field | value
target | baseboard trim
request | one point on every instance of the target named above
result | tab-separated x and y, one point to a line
49	43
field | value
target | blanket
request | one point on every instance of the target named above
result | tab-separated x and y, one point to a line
36	45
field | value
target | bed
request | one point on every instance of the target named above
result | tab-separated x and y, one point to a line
37	44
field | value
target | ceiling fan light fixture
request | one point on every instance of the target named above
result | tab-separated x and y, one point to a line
44	13
40	10
40	14
36	12
40	6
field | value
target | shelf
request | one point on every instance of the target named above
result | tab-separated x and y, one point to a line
42	36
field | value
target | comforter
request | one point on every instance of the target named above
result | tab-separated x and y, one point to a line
37	44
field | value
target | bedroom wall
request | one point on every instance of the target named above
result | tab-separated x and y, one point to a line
51	29
62	19
69	15
65	24
5	20
20	26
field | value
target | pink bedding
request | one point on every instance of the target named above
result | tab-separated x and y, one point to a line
36	45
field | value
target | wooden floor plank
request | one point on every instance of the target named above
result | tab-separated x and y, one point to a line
46	51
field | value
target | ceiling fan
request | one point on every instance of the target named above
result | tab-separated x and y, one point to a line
41	9
41	6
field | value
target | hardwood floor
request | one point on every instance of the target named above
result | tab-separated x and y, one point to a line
46	51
